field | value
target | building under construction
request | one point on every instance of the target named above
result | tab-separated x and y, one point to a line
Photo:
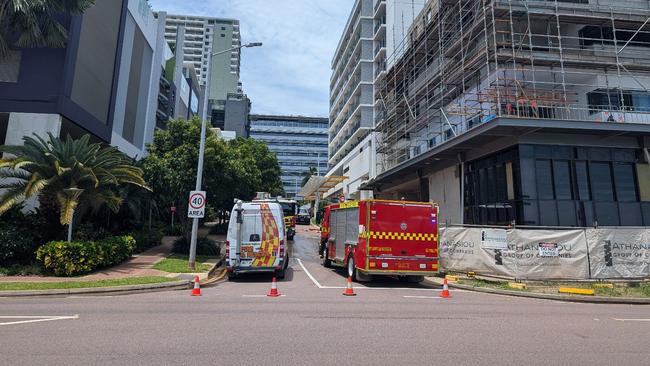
503	79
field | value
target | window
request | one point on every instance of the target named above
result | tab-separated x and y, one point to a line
544	179
582	181
601	181
223	28
562	180
625	182
222	35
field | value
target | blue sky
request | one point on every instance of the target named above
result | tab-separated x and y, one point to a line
290	73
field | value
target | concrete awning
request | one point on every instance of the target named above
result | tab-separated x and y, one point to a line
317	185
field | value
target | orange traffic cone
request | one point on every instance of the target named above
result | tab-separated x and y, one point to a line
445	290
274	289
196	291
348	290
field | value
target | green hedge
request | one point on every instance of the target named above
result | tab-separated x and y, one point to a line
17	245
78	257
204	246
146	239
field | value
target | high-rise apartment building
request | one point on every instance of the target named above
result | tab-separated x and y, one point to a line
204	36
536	112
200	41
374	28
299	142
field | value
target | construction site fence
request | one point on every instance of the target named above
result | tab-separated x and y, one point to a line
604	253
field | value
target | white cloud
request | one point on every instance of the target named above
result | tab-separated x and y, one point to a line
290	73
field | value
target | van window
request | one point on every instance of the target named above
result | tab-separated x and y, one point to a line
251	228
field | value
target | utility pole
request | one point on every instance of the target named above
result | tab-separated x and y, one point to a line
199	168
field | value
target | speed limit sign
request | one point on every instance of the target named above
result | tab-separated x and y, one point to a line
196	206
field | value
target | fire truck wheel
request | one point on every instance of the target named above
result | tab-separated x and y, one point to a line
231	275
414	279
327	263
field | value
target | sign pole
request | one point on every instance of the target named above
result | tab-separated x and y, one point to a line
199	179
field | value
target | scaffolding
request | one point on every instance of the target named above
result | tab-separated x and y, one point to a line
467	62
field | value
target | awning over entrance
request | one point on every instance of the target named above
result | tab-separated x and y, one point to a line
317	185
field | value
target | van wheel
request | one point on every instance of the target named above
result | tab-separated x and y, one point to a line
352	270
231	276
327	263
280	274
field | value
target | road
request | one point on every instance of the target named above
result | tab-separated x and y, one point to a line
313	324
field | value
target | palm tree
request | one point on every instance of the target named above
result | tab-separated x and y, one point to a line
34	23
54	168
307	174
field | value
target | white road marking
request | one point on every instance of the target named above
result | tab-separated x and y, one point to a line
313	279
258	295
632	320
35	319
422	297
309	274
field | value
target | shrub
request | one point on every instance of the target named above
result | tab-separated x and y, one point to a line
69	259
78	257
176	231
20	236
87	232
116	249
145	239
17	245
204	246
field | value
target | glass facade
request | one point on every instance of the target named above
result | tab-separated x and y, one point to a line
557	186
298	142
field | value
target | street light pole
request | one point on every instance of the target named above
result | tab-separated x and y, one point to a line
199	168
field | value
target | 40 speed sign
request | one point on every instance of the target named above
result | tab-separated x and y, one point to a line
196	206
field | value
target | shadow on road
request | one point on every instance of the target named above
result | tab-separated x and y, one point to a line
385	281
262	277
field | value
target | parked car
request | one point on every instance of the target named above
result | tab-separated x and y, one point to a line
303	218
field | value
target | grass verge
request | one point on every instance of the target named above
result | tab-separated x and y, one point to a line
177	263
631	290
27	286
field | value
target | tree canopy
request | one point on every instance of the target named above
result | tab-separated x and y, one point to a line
233	169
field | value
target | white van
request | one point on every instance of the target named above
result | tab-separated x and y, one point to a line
256	239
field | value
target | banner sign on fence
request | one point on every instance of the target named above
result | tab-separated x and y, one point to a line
521	258
548	249
494	239
619	252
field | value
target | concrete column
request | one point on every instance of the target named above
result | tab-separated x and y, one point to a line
178	70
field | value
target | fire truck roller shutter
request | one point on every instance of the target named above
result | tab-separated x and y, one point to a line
340	234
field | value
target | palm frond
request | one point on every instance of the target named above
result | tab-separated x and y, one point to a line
11	196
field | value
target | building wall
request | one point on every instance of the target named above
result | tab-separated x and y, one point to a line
444	189
298	142
237	112
100	83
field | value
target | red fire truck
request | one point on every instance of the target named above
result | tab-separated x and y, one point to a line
381	237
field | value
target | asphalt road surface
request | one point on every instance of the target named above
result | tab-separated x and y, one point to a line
387	323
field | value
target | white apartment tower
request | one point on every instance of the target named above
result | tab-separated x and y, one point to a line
375	29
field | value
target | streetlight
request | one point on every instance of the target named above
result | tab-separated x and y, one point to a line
199	169
72	193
